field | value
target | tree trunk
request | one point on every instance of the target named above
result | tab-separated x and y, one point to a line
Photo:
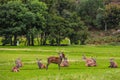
15	40
28	40
58	41
32	40
82	42
38	40
105	26
11	40
45	39
41	39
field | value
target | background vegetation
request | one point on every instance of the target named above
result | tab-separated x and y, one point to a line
50	22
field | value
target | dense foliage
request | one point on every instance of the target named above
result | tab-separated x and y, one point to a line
51	21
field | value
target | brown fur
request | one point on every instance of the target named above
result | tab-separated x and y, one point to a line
64	63
113	64
43	66
40	64
55	60
90	61
15	69
18	63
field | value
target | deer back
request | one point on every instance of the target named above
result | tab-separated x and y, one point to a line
113	64
54	60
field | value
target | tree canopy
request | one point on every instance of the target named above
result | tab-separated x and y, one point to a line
51	21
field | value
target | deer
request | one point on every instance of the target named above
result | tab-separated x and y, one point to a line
40	64
113	64
89	61
18	63
64	63
55	60
15	69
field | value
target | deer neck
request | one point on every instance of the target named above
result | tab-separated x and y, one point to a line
61	58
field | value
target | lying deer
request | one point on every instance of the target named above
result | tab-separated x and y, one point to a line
18	63
90	61
15	69
113	64
64	63
40	64
56	60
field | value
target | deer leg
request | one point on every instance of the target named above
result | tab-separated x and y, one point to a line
59	66
47	66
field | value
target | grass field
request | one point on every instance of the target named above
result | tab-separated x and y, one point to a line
76	71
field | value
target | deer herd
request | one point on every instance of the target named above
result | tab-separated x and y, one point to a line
61	61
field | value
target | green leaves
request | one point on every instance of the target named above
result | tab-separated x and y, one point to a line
88	10
17	18
112	15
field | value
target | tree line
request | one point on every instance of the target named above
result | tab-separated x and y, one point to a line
51	21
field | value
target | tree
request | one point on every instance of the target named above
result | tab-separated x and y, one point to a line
108	17
10	21
56	29
112	15
75	28
101	19
88	11
17	18
36	17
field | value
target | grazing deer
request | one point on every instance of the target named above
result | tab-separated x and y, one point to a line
56	60
18	63
40	64
113	64
90	61
64	63
15	69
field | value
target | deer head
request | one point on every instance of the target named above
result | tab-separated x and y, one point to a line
113	64
61	55
84	57
111	60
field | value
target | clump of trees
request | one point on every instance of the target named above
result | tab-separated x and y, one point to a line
108	17
17	18
51	21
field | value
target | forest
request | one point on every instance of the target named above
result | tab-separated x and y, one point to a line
50	22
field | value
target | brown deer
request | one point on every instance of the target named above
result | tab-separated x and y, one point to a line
64	63
113	64
90	61
56	60
18	63
40	64
15	69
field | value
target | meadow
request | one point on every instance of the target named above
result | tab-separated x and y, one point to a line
76	71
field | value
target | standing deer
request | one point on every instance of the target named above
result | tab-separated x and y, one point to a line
90	61
113	64
40	64
56	60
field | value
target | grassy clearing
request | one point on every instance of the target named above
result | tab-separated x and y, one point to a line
76	71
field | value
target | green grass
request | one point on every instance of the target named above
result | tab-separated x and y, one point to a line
76	71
